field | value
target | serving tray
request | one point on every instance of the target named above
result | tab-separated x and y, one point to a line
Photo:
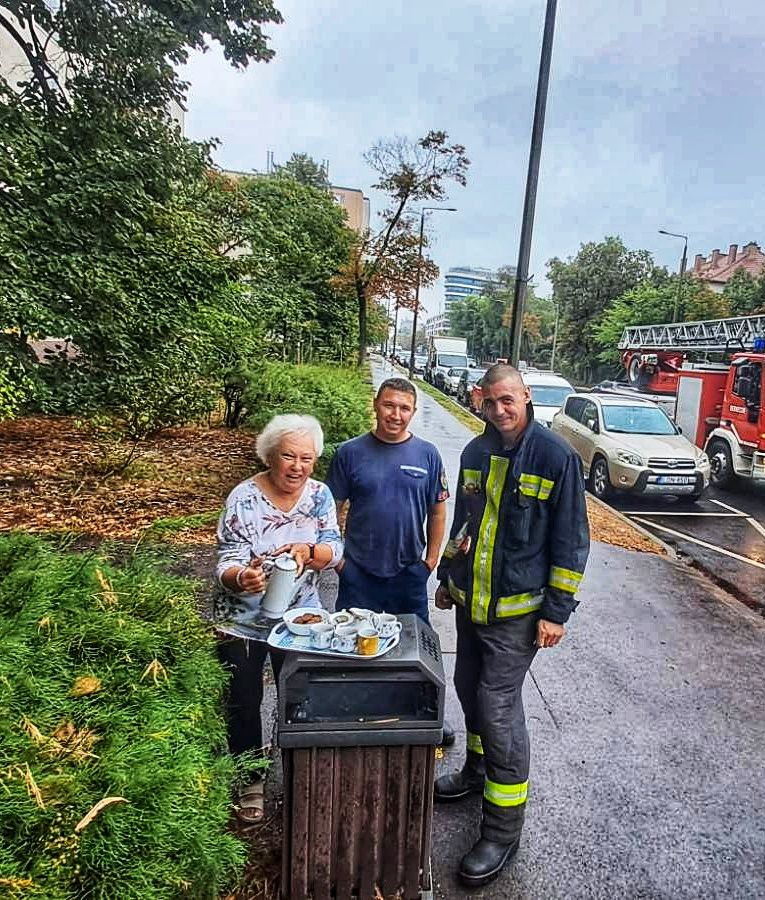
283	639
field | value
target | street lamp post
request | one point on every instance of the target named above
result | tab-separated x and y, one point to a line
532	178
419	277
683	264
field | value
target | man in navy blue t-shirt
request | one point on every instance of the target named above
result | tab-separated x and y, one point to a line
396	485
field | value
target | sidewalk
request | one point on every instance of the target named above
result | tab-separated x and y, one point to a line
647	731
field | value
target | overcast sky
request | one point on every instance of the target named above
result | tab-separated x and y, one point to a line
654	117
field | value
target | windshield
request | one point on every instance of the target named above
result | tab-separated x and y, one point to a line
452	359
544	395
636	420
475	375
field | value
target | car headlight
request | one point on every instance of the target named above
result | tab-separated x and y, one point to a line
632	459
702	460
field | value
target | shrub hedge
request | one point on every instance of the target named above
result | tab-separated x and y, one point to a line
109	688
340	398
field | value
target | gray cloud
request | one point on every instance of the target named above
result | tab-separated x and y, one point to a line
653	118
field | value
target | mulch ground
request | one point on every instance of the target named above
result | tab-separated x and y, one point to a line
54	477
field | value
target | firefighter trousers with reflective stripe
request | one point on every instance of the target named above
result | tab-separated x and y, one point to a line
492	661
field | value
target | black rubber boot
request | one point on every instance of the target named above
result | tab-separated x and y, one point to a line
485	861
456	785
449	738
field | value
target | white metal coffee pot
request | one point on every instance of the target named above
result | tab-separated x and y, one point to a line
282	587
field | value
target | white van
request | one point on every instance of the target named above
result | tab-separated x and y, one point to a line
548	393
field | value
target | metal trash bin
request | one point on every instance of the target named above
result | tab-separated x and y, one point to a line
357	739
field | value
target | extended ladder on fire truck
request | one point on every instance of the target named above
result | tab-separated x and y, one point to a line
741	333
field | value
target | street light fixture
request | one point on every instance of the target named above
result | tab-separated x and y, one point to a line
419	276
683	264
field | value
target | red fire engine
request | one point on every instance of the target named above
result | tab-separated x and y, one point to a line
719	405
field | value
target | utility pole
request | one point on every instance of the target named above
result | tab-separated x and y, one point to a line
419	278
532	178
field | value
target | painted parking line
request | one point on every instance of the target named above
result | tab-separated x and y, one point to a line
694	540
728	507
711	515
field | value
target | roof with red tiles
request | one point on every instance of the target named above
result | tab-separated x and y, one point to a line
721	267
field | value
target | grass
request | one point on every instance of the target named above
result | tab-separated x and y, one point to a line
462	415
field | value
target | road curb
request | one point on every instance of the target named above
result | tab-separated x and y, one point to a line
670	551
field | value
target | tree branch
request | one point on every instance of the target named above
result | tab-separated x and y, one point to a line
38	70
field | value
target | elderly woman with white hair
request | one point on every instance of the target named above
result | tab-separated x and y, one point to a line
280	510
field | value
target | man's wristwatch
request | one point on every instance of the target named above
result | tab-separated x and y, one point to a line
311	551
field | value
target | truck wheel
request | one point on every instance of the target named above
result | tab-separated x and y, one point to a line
633	370
722	475
600	483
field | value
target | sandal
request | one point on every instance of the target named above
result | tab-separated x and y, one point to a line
250	809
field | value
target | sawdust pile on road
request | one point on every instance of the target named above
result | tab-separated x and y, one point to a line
607	527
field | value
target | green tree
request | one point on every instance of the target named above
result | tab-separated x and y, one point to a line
745	294
102	238
584	287
385	262
305	170
649	304
290	242
86	53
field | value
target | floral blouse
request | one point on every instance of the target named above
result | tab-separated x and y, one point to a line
251	526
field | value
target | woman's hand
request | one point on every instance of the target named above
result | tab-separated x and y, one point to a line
251	579
301	553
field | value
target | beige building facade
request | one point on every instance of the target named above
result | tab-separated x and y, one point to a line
356	206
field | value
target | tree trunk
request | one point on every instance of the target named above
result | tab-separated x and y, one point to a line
362	298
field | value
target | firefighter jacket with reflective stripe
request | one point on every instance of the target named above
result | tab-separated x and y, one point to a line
520	539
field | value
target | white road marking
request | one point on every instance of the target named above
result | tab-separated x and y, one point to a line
721	515
755	524
726	506
693	540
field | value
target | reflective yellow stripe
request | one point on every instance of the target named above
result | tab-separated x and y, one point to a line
535	486
505	794
471	478
456	593
564	579
474	743
484	550
518	605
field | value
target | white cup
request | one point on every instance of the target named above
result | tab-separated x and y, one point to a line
344	640
361	615
386	624
321	635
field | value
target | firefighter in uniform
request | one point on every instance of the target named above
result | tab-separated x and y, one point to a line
516	555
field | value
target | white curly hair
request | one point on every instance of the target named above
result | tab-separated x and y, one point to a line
279	427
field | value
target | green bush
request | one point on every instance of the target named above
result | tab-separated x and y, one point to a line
109	688
340	398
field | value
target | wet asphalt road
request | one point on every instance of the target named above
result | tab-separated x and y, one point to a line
730	525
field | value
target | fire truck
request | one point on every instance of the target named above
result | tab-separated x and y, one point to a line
718	403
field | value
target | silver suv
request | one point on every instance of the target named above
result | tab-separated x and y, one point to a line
631	444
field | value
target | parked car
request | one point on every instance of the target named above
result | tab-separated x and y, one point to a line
548	392
468	378
452	379
630	444
419	363
475	399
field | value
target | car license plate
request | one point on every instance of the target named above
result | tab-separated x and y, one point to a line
675	479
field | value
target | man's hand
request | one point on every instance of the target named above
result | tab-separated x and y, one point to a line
443	598
549	633
431	563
